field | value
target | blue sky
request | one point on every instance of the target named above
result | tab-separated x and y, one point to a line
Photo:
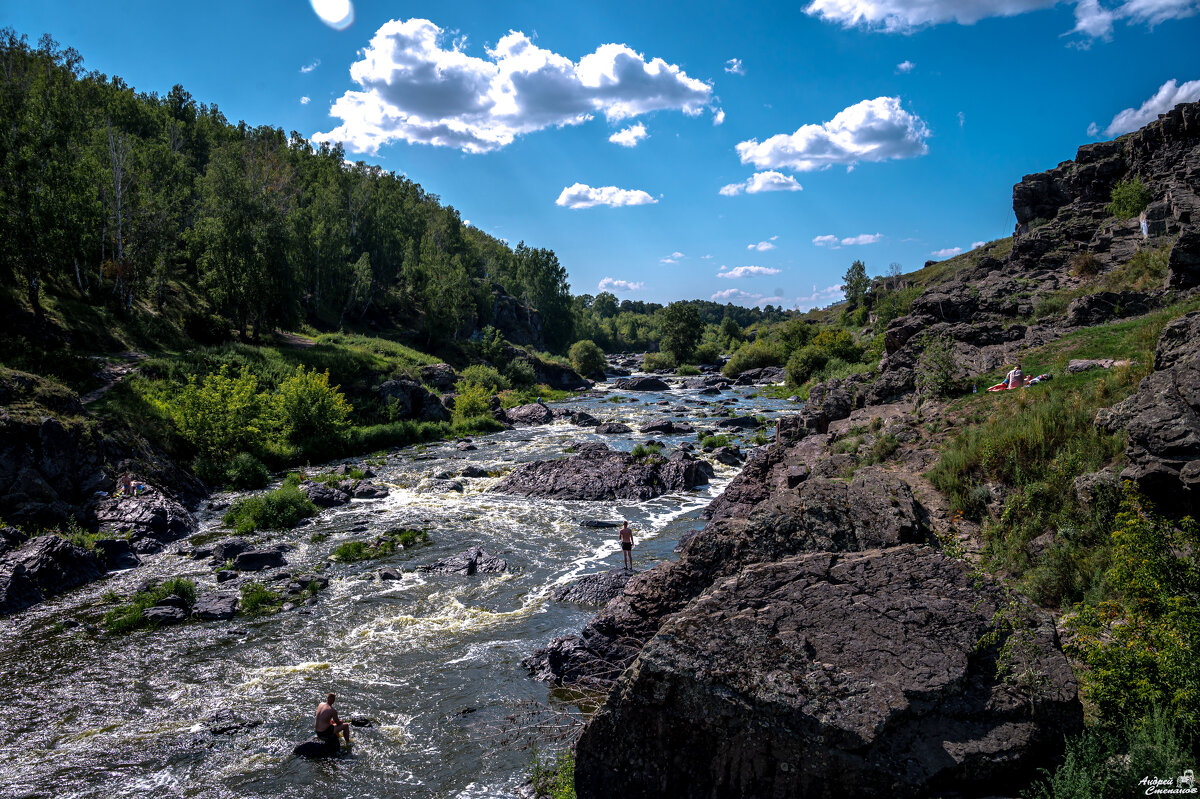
886	130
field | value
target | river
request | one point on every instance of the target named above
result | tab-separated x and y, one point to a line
433	659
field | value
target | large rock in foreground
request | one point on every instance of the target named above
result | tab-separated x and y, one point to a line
604	474
827	675
42	567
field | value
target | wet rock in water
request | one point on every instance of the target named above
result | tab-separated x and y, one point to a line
162	616
116	553
436	486
730	456
861	672
584	419
738	423
362	721
221	551
471	561
641	384
216	606
317	749
42	567
606	474
151	514
146	546
225	575
613	428
364	490
391	573
172	601
465	446
324	495
710	391
474	472
226	722
594	589
598	523
529	415
255	560
667	427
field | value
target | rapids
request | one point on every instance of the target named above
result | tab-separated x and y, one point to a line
433	659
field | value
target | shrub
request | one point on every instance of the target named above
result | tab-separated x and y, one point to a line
1147	269
754	355
587	358
520	372
128	617
804	363
687	370
643	451
714	441
480	375
554	779
837	343
257	598
312	413
1129	198
220	415
246	472
281	509
353	551
936	368
658	362
708	353
473	401
1084	264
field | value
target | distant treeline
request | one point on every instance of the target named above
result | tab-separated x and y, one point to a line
125	196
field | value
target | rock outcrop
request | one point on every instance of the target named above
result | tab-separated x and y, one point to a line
1163	422
149	515
413	401
598	474
641	384
42	567
594	589
826	675
472	561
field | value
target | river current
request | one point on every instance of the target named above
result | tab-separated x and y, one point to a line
433	659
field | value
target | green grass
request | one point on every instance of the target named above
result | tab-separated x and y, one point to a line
554	778
527	394
128	617
721	440
281	509
258	599
386	544
644	451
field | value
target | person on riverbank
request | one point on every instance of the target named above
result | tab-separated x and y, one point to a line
1016	378
626	538
328	725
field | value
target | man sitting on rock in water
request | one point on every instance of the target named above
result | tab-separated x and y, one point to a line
328	725
626	538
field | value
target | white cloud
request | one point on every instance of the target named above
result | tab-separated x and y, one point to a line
337	14
746	271
719	117
827	241
975	245
729	295
903	16
873	130
673	258
1167	97
905	66
706	257
1093	129
962	119
612	284
415	89
820	297
762	181
630	136
304	100
763	246
580	195
307	68
734	66
946	253
834	243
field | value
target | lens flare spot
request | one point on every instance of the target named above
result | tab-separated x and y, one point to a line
337	14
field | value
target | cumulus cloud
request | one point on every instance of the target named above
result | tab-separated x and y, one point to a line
706	257
746	271
834	243
763	246
873	130
719	117
730	295
903	16
304	100
307	68
975	245
580	195
762	181
673	258
905	66
612	284
734	66
946	253
630	136
819	297
417	89
1169	95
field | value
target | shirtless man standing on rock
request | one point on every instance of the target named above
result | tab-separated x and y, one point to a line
328	725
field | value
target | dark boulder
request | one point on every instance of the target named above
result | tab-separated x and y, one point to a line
325	495
471	561
441	376
584	419
226	722
594	589
221	551
604	474
10	539
666	427
614	429
256	560
474	472
641	384
152	514
436	486
413	401
856	675
391	573
42	567
1094	309
529	415
827	402
216	606
163	615
598	524
1183	264
17	589
317	749
116	553
365	490
738	423
764	375
729	456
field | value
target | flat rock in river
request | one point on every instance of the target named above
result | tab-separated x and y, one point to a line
614	428
605	474
641	384
594	589
471	561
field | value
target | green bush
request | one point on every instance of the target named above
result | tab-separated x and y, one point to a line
658	362
128	617
1084	264
804	364
485	376
220	415
1129	198
687	370
643	451
714	441
257	598
354	551
937	368
520	372
246	472
313	414
587	358
836	343
281	509
708	353
1147	269
554	778
472	402
754	355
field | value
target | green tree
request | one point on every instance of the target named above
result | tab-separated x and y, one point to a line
587	358
681	330
855	284
730	333
1129	198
